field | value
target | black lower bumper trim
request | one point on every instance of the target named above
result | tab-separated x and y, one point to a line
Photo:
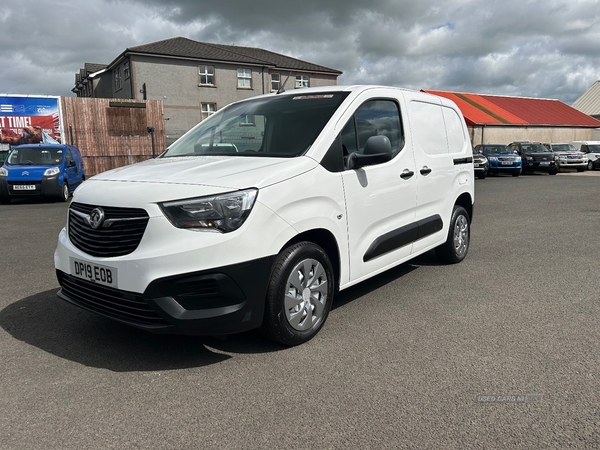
222	300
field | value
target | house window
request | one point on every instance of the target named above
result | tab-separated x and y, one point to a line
126	72
207	75
244	78
118	79
301	81
208	109
275	81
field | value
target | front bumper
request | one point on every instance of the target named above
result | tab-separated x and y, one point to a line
582	164
46	187
222	300
480	168
540	166
498	167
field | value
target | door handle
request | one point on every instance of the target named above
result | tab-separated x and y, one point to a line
406	174
425	170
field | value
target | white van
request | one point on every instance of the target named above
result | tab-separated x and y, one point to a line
261	213
592	152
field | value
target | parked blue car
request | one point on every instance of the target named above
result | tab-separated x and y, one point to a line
501	159
41	170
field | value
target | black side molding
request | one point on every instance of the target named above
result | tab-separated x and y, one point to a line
467	160
405	235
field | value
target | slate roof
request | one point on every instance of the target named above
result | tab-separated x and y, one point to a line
480	109
589	102
187	48
93	67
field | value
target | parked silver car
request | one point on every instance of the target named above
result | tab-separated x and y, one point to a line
567	156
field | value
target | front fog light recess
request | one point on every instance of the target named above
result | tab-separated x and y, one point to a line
223	212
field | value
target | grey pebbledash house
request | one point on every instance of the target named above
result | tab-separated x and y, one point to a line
195	79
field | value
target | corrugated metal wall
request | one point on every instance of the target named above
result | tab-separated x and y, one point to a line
112	133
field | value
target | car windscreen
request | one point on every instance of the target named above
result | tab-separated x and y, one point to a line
563	148
274	126
497	149
43	156
534	148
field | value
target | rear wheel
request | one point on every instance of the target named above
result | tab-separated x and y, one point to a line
299	295
455	249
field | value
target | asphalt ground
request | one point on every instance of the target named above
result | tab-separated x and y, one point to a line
500	351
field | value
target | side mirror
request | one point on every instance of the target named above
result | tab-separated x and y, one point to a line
71	163
378	149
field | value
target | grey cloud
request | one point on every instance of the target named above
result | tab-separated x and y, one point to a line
545	48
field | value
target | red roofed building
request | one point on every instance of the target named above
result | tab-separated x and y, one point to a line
494	119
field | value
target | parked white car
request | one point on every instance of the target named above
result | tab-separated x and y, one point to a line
567	156
257	216
592	152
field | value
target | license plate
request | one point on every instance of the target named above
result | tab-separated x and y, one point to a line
94	272
507	163
24	187
545	163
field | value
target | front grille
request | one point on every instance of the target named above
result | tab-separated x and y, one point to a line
121	238
111	302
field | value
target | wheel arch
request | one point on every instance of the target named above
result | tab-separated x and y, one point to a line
326	240
466	201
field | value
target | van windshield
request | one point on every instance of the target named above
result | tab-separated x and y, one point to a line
274	126
42	156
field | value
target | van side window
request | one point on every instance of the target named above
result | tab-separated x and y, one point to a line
69	156
428	128
454	130
379	117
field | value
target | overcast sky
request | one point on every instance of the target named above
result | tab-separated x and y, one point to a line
531	48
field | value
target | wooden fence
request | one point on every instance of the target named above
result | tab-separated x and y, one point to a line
111	133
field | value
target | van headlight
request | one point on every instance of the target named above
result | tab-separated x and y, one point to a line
52	171
223	212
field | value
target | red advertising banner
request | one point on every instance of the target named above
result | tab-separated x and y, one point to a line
29	120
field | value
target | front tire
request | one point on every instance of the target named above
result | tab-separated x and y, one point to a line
456	247
590	165
64	192
299	295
